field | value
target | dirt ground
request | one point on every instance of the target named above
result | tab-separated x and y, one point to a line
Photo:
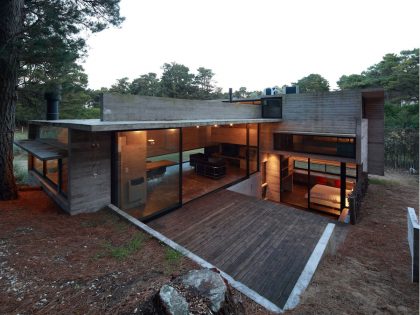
370	271
53	263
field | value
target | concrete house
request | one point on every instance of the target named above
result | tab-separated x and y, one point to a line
150	155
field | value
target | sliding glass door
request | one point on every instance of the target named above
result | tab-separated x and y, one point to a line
321	185
148	171
294	181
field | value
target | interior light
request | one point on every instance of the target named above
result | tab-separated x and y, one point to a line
197	126
151	141
231	125
216	125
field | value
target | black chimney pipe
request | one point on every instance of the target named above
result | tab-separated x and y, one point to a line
53	97
230	95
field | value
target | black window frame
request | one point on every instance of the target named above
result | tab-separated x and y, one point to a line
284	142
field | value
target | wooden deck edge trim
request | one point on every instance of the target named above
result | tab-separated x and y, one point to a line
203	263
310	268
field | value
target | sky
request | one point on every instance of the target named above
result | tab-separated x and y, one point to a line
256	44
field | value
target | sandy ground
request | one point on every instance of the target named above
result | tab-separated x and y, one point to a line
370	271
53	263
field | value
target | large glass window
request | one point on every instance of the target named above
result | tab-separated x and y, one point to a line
325	145
55	135
294	181
38	166
55	171
51	170
316	184
216	156
253	148
148	171
64	176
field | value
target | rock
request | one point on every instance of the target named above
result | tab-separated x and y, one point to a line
208	284
197	292
172	302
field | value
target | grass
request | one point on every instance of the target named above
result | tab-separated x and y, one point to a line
172	256
123	251
384	182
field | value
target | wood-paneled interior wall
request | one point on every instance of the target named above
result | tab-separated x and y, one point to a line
273	176
195	138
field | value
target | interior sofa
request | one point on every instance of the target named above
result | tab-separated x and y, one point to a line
208	166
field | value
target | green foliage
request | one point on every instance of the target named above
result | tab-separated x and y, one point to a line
21	174
204	83
172	256
398	75
406	116
147	84
122	86
402	147
50	46
123	251
383	182
177	81
313	83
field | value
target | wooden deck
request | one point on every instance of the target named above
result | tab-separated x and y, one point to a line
262	244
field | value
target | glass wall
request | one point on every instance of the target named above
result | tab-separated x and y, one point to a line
51	170
53	135
316	184
54	171
325	187
333	146
64	177
148	171
253	148
150	161
216	156
294	181
38	166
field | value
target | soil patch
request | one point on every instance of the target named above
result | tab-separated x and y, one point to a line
370	271
51	262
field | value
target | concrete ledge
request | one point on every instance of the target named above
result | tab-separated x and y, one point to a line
203	263
413	242
310	268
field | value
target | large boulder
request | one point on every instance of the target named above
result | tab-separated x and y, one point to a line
197	292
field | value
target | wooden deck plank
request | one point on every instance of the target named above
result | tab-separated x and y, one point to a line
262	244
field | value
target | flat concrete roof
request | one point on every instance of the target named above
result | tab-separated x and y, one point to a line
98	125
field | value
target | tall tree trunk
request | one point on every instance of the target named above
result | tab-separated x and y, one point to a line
11	14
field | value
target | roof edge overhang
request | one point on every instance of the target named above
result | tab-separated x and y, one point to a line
41	150
335	134
98	125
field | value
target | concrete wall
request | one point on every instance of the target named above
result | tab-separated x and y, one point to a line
89	171
117	107
364	144
374	112
328	112
250	187
272	176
